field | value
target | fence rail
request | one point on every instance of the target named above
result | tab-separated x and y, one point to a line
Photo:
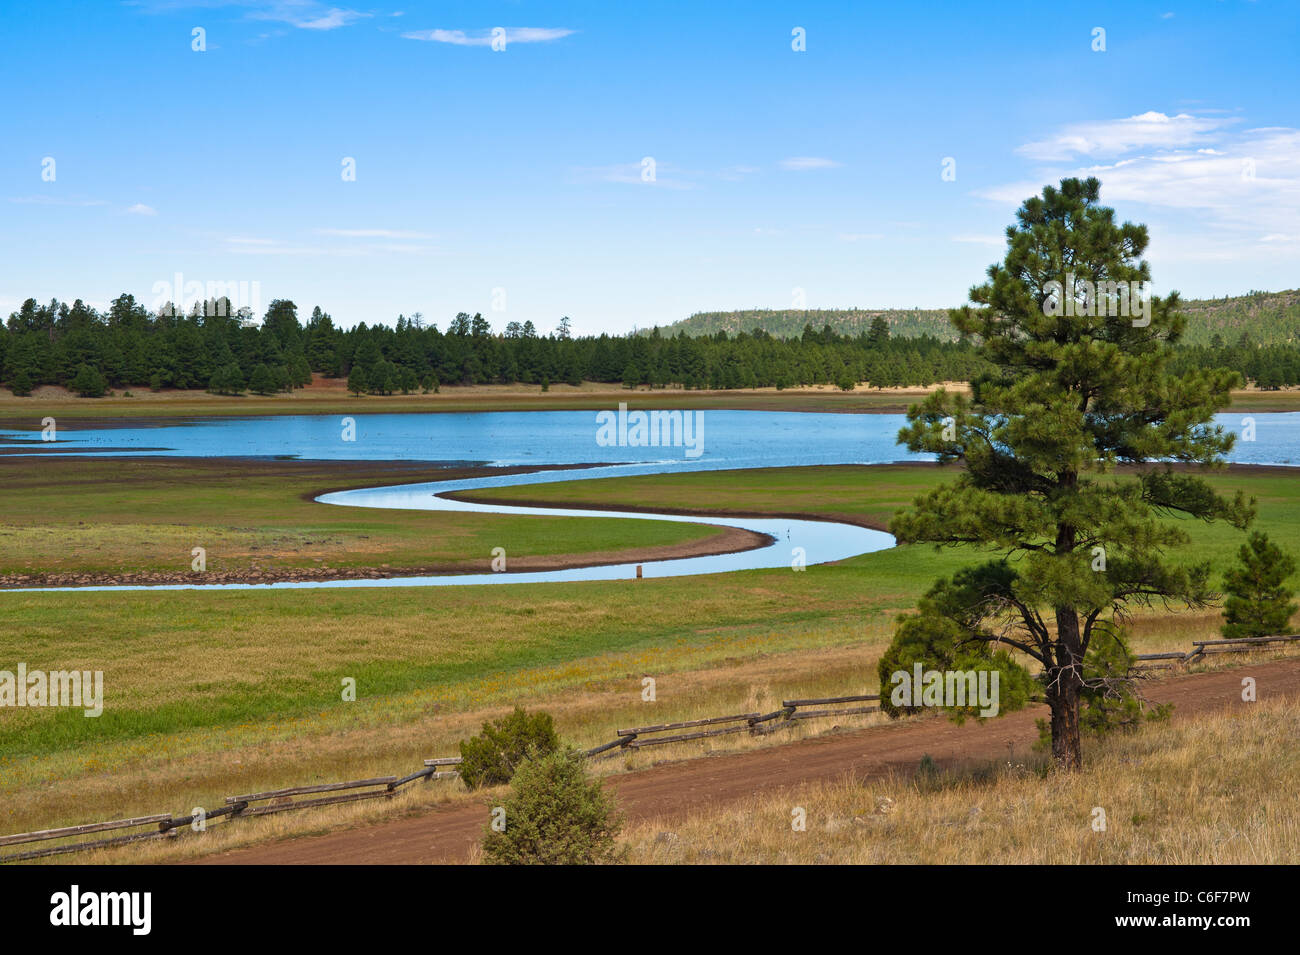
1202	648
165	825
642	736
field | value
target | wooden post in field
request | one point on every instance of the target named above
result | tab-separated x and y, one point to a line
638	571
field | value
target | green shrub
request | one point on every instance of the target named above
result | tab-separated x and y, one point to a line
555	815
88	382
491	758
1259	601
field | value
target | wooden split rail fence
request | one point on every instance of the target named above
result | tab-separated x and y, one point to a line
165	825
1202	648
756	723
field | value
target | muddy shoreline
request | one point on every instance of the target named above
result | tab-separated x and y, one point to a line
728	540
341	475
351	474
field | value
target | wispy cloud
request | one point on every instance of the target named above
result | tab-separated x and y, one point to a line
58	201
304	14
331	19
1110	138
484	37
140	209
804	163
258	245
1237	198
977	239
663	175
374	234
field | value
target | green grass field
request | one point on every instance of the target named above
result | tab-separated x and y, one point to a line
207	692
138	515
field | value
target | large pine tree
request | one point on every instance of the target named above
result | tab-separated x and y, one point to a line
1078	392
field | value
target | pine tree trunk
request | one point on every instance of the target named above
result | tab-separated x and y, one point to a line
1064	681
1063	698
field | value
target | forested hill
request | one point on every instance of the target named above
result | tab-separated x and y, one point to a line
790	323
228	351
1269	318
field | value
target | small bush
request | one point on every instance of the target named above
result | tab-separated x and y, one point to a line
88	382
555	815
492	758
1259	601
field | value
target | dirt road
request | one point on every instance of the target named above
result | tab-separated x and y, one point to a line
676	789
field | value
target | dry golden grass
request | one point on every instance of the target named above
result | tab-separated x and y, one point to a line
587	715
1215	790
589	700
393	737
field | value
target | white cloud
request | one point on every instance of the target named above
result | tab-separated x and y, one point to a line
140	209
484	37
803	163
665	175
304	14
58	201
1110	138
975	239
256	245
331	19
1238	201
374	234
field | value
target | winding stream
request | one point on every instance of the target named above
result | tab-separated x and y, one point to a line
811	542
733	439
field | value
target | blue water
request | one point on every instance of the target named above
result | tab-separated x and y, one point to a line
719	439
729	439
795	543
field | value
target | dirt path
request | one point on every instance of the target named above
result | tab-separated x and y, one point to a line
676	789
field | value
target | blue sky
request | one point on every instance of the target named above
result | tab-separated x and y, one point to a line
514	177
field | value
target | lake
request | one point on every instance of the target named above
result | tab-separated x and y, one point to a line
723	438
618	444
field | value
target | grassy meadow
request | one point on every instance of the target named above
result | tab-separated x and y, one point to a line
1165	803
207	693
146	515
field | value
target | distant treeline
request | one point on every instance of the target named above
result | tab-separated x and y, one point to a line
1269	318
229	352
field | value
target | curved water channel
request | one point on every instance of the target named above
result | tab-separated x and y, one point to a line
735	439
792	541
